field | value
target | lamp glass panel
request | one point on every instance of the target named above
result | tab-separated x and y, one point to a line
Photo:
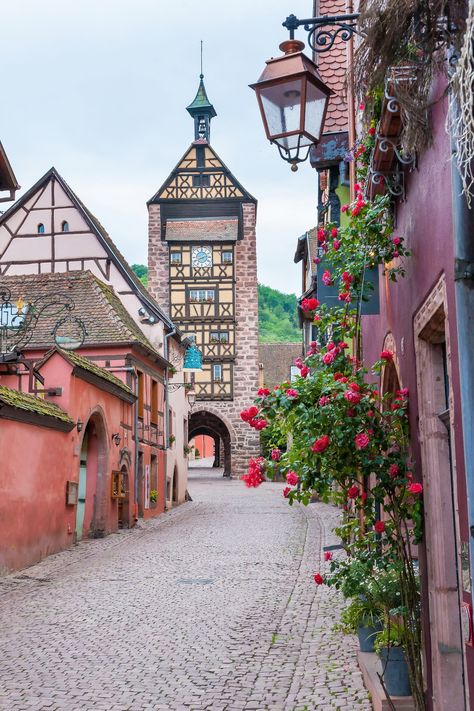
315	105
282	106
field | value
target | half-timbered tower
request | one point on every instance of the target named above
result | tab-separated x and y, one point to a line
203	271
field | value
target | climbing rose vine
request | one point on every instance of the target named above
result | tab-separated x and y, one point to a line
349	442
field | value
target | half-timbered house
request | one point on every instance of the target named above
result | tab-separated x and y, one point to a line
203	271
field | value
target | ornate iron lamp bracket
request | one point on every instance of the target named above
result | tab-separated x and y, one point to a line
323	31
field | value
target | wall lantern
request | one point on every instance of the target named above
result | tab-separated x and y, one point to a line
116	439
293	101
191	397
79	424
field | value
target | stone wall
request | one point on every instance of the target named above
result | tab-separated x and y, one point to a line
158	260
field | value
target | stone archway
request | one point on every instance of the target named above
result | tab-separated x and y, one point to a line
213	425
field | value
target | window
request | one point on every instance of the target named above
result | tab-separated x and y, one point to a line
175	257
65	226
41	229
198	296
141	393
227	257
220	337
154	402
201	181
217	373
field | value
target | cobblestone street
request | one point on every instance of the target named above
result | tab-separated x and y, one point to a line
210	606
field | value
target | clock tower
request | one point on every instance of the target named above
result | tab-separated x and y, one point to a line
202	269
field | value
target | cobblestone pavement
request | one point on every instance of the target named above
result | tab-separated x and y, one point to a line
210	606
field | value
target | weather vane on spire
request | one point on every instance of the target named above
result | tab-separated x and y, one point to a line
202	74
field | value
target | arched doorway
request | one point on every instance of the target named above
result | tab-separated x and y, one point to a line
91	510
208	423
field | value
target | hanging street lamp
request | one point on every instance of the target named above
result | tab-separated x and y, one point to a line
293	101
291	95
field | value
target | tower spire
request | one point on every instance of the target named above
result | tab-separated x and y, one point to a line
201	110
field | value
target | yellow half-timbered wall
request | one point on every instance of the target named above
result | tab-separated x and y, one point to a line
202	300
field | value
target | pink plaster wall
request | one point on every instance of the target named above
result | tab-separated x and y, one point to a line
34	518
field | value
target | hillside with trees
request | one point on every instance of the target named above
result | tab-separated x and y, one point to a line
278	318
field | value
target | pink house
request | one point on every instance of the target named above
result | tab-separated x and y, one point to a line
110	398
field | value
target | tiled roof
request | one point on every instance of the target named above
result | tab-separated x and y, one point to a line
333	68
105	318
91	367
220	229
30	403
277	359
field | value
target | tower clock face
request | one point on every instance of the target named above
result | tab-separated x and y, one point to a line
202	257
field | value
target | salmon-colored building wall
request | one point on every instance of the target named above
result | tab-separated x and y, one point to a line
34	518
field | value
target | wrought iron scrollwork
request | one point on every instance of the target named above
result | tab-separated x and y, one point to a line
323	31
385	144
393	180
18	320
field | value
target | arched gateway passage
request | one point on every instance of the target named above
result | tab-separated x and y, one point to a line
204	422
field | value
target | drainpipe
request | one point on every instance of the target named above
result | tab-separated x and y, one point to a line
463	228
167	406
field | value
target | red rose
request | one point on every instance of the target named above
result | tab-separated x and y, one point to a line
292	478
379	527
313	304
276	455
327	555
292	393
386	355
403	392
319	445
253	411
353	492
260	424
395	253
371	131
286	491
263	392
415	488
322	236
396	240
350	412
328	358
316	260
324	400
318	579
361	440
393	470
304	371
245	415
352	397
344	208
347	278
343	344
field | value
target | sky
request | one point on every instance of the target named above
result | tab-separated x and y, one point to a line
98	88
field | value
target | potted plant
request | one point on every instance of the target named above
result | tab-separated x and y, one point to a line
389	647
364	619
153	496
171	440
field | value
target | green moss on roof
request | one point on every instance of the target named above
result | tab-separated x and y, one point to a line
30	403
92	367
